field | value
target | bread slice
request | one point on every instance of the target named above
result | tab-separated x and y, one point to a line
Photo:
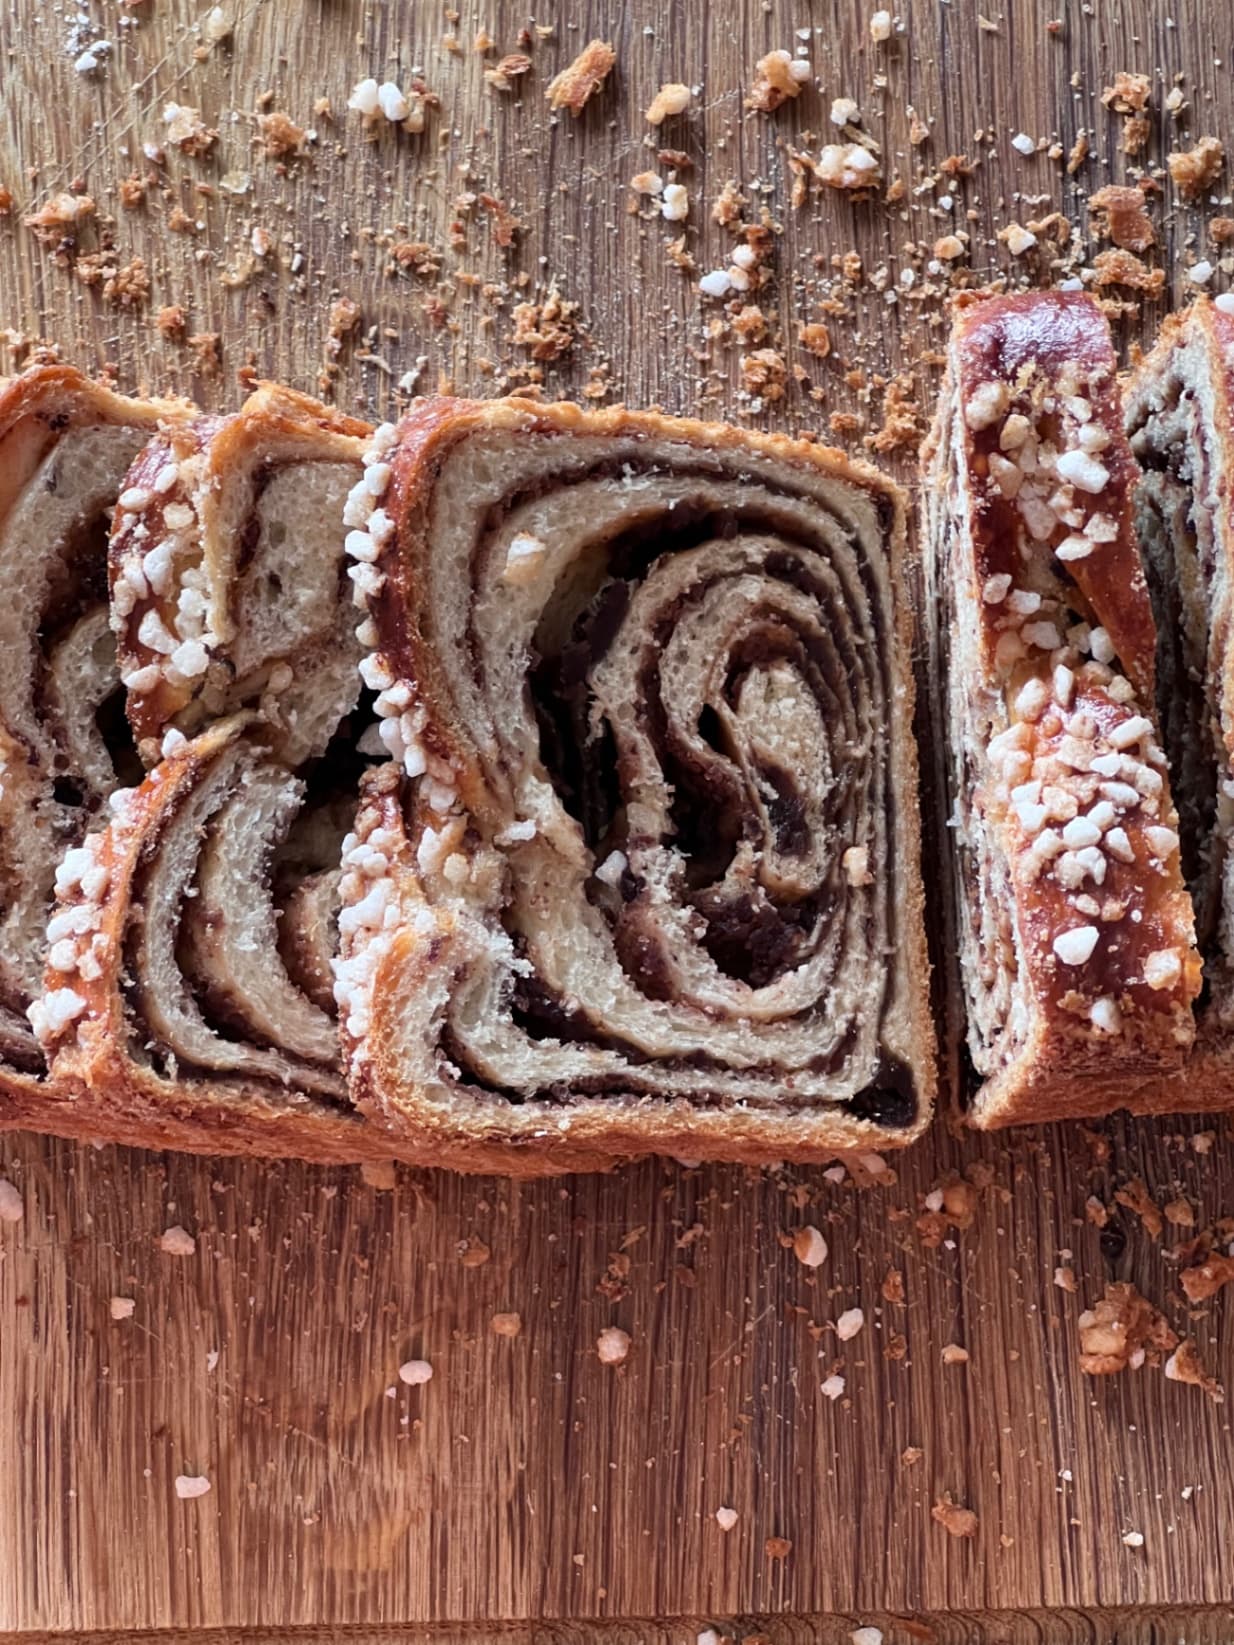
227	573
645	876
65	444
1074	926
170	1017
1180	418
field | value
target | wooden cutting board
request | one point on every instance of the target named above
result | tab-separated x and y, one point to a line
529	1489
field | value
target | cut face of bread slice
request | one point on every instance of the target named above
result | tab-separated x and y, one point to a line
1180	416
645	877
227	571
65	444
1074	926
171	1016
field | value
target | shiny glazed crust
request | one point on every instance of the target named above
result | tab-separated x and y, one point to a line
1074	925
466	800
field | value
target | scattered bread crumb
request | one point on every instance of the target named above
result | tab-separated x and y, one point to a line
777	77
1121	217
572	88
503	74
60	214
189	1486
612	1345
954	1519
207	347
809	1246
1122	1330
1184	1365
1194	170
673	98
187	130
1204	1279
415	1372
177	1241
280	134
547	328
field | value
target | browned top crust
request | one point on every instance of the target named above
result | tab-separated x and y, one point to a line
1075	784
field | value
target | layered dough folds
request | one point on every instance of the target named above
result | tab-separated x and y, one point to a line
65	444
649	877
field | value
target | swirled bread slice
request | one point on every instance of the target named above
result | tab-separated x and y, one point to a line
226	566
645	878
176	1011
65	444
1180	417
1074	926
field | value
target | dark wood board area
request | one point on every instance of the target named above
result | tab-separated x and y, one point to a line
529	1492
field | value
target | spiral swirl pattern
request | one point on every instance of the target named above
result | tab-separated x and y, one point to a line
650	682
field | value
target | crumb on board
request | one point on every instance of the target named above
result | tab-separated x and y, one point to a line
612	1345
11	1207
503	74
546	329
187	131
280	135
177	1241
172	321
577	83
58	216
672	98
1195	169
1122	1331
809	1246
415	1372
207	349
778	77
1184	1365
955	1519
1121	216
190	1486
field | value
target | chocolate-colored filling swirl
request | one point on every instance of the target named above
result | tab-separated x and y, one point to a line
674	669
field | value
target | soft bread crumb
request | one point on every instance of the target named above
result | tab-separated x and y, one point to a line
954	1519
575	85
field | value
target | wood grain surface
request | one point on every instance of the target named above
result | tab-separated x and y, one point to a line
527	1483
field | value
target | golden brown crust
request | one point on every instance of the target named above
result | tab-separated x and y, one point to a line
483	1135
1066	786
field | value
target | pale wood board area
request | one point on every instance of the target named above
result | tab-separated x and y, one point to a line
527	1483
